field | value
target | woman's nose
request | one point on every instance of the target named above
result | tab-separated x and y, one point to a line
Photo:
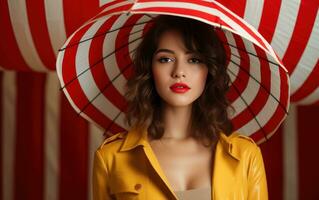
179	71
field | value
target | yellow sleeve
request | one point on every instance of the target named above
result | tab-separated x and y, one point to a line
257	183
100	179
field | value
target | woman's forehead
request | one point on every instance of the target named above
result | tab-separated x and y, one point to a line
171	41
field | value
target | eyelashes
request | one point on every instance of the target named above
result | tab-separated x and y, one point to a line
193	60
165	59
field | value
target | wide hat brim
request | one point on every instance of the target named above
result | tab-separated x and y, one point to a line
96	60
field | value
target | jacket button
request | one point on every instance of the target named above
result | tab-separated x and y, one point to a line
138	186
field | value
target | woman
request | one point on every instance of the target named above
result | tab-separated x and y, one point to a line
181	144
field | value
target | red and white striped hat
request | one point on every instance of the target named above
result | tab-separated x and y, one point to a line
92	64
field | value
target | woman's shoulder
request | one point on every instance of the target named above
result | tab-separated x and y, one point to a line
113	143
242	140
240	145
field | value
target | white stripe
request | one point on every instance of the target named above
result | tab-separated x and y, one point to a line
290	153
308	60
285	26
103	2
253	87
8	133
233	69
268	110
52	133
253	12
87	81
110	63
95	139
137	32
23	36
55	22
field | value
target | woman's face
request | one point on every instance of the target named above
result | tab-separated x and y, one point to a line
179	74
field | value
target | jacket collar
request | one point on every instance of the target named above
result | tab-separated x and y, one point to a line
138	137
135	137
227	143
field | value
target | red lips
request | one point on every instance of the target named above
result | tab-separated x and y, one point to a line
179	88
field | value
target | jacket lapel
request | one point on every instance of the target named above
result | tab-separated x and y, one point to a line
156	166
225	164
139	137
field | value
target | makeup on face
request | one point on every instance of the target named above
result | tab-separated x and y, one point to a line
179	87
179	74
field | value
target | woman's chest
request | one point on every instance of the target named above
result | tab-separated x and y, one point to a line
185	167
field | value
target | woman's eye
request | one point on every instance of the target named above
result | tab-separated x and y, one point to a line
164	60
194	60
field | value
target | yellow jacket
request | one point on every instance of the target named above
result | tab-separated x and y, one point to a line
126	168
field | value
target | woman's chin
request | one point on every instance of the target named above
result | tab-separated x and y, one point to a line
179	103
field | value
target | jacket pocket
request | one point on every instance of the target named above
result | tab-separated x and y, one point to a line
125	187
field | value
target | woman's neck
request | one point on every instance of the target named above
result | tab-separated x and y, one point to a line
177	122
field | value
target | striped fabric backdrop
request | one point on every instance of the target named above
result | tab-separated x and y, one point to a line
46	149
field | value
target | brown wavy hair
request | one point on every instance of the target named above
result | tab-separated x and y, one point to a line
209	111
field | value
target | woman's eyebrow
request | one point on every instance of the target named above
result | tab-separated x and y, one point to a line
164	51
172	52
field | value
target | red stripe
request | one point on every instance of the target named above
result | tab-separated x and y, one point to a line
273	160
268	21
238	6
123	58
316	103
11	57
303	28
40	33
29	150
1	134
308	138
98	70
241	81
309	86
70	51
73	154
76	14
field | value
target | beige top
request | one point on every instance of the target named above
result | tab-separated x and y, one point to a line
198	194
